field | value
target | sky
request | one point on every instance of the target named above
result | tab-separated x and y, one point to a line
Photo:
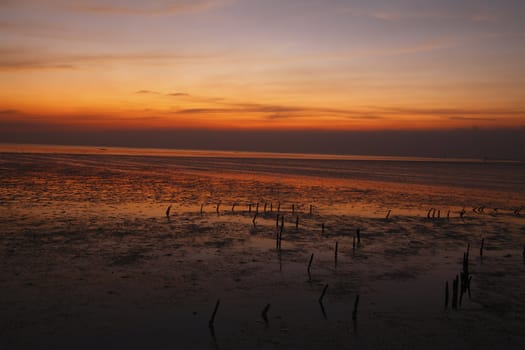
133	73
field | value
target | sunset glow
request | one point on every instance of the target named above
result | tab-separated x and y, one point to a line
261	65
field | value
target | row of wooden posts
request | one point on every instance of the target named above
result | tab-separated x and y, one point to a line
460	285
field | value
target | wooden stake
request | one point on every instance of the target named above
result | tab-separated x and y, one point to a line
356	304
311	209
202	207
388	214
455	292
265	312
168	211
335	253
322	231
297	222
323	293
310	262
481	248
358	232
446	294
212	319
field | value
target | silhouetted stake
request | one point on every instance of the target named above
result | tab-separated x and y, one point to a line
523	253
322	231
264	313
271	207
249	207
429	211
335	252
323	293
323	311
353	243
433	213
462	213
448	215
257	208
297	222
212	319
446	294
278	207
233	207
254	217
356	304
468	287
439	214
455	292
277	221
358	232
293	208
218	205
202	208
388	214
310	263
481	248
265	205
168	211
462	288
281	231
311	209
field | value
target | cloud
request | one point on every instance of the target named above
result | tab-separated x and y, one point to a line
122	7
146	92
34	58
154	7
178	94
471	118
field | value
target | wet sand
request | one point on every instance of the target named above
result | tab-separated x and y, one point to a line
89	258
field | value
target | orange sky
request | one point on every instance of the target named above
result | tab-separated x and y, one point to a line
328	65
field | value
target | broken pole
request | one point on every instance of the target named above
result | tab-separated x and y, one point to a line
481	248
446	294
356	304
323	293
455	292
310	263
335	252
264	313
212	319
